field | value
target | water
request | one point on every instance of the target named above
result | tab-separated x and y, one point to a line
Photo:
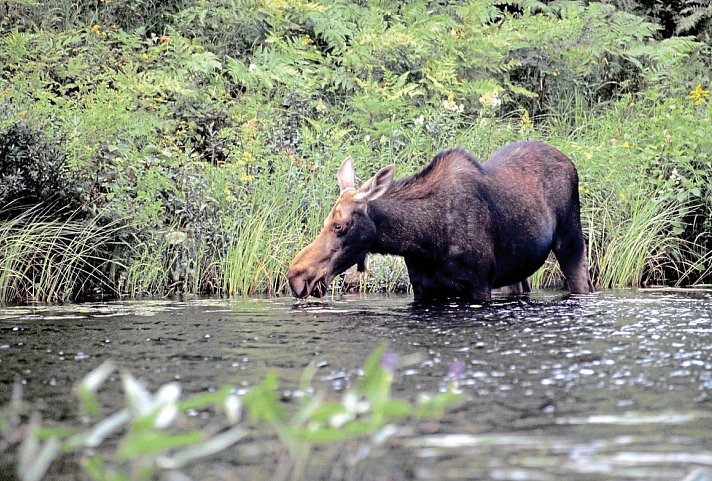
614	386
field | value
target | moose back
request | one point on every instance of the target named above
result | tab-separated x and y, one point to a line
462	227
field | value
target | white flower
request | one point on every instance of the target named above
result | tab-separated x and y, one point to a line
451	105
419	121
233	408
164	405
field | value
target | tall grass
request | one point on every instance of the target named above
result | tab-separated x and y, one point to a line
149	268
51	260
629	244
264	235
248	264
636	246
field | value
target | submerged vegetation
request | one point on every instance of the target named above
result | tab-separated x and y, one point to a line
153	148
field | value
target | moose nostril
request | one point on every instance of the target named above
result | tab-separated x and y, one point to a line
298	285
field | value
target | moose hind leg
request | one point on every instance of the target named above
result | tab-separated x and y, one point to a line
570	251
516	289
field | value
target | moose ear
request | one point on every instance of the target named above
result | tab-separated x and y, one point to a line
377	185
346	175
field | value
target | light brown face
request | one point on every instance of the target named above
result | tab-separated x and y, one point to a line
332	252
346	237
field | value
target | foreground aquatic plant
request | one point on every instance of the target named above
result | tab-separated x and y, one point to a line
150	436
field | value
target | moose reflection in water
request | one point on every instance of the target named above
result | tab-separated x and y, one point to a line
462	227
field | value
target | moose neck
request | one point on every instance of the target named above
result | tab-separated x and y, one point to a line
403	228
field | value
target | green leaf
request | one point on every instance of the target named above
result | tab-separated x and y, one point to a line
350	430
54	432
373	373
137	444
434	407
262	401
204	400
326	411
394	408
88	401
94	467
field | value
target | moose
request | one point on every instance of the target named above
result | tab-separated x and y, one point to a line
463	228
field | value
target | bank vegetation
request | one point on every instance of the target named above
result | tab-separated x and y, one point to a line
189	147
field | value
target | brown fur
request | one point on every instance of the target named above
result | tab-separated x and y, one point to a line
462	227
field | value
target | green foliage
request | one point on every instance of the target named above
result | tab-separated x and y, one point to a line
210	131
31	168
152	434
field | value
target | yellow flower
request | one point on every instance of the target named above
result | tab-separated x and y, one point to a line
96	29
626	145
699	95
525	123
593	62
383	139
491	100
246	178
621	196
145	57
555	73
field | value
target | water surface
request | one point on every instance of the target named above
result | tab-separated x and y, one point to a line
613	386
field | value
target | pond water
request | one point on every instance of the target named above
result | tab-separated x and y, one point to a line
612	386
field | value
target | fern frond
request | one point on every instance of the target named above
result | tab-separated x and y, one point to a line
692	15
531	6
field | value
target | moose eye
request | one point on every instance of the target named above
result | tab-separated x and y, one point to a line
338	228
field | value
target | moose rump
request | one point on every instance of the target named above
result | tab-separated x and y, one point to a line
462	227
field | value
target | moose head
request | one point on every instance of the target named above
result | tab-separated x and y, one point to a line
346	237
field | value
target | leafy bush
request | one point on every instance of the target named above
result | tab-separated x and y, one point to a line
32	169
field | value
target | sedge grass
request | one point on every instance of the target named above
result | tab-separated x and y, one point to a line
637	244
263	238
51	260
146	273
385	274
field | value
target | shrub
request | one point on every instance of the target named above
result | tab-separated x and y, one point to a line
32	169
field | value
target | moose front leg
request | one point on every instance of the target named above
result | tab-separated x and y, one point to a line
427	283
438	285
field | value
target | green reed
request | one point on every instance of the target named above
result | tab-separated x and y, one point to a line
51	260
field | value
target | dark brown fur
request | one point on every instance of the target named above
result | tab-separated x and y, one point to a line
462	227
